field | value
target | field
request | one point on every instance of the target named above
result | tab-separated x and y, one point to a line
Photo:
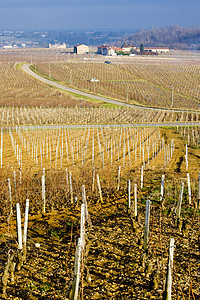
76	159
19	90
166	85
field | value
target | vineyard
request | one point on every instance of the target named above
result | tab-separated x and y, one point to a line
102	159
151	84
99	201
27	101
17	89
11	116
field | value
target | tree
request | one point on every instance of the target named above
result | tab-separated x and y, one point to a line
141	48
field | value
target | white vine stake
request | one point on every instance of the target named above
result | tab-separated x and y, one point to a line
186	157
43	191
20	177
82	234
70	186
99	186
189	189
118	179
93	179
142	172
129	193
168	285
135	198
146	229
19	227
26	222
85	202
67	178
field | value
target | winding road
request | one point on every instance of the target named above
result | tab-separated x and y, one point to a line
26	68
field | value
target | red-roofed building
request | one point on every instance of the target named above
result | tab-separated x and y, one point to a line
105	50
126	48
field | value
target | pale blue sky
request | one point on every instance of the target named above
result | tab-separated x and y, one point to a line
95	15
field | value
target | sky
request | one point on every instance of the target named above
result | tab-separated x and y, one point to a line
97	14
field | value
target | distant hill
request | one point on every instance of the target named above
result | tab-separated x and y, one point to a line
172	37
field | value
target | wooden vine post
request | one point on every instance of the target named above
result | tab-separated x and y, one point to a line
178	209
77	268
168	286
10	265
74	294
86	207
10	196
146	229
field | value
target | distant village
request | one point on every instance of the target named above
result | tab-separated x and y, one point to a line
125	49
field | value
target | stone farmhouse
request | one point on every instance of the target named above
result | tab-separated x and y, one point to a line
81	49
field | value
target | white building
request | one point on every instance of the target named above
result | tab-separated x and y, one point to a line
8	47
155	49
81	49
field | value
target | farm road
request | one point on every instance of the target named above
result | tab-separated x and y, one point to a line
26	68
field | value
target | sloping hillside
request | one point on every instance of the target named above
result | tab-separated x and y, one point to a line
172	36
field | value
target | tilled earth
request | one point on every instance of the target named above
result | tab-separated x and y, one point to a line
115	264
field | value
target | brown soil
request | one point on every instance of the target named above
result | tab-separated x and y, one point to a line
115	265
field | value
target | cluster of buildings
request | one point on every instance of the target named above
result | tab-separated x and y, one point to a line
10	46
129	49
57	46
126	49
107	50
